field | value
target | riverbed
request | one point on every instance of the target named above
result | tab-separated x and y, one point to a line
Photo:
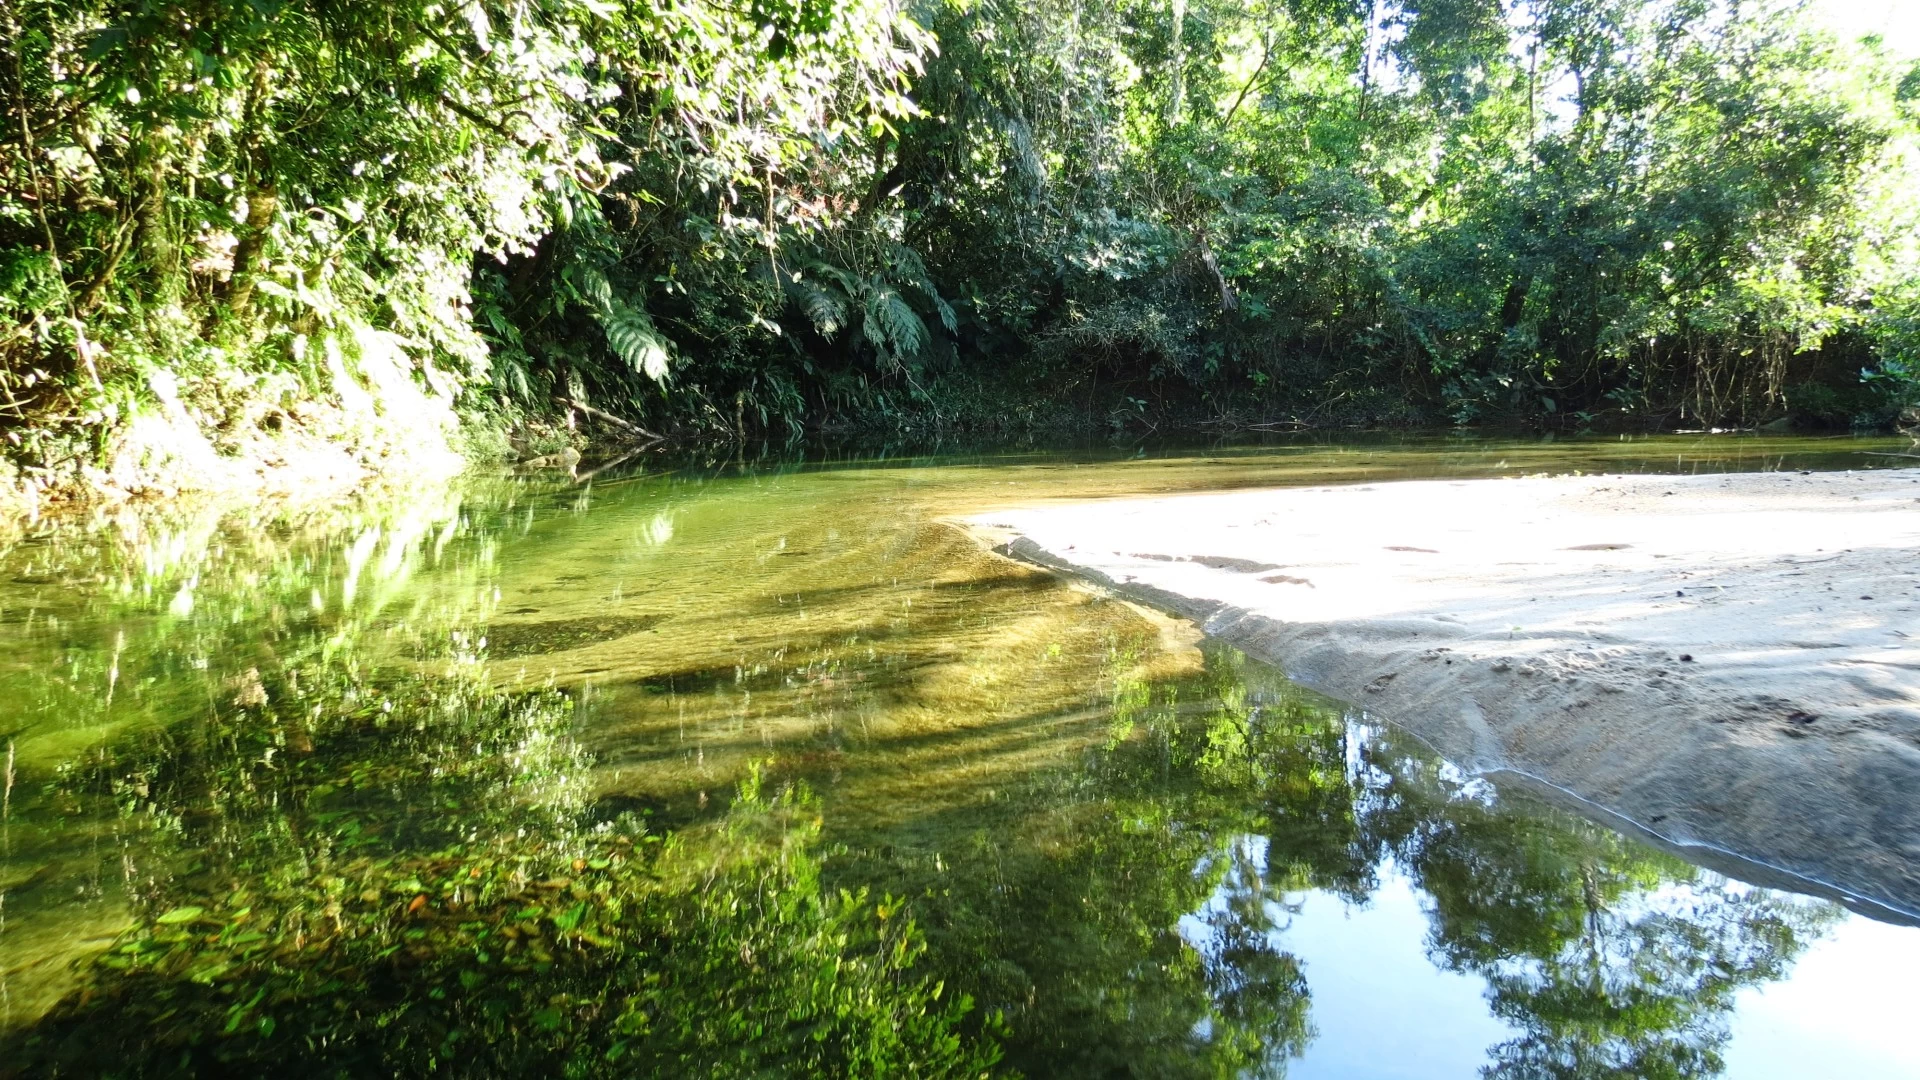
1144	849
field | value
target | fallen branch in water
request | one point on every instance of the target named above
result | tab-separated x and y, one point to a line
1236	424
608	418
1884	453
621	460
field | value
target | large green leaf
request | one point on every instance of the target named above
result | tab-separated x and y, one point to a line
633	337
824	305
891	323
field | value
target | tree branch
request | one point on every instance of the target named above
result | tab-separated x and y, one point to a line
1266	56
628	426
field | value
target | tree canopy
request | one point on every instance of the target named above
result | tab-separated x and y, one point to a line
239	215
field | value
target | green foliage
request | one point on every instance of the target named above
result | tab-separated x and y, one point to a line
1660	211
807	214
30	285
735	154
223	189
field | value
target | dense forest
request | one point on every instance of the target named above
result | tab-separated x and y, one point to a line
229	225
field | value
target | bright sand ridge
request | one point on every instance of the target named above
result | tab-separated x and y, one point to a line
1538	626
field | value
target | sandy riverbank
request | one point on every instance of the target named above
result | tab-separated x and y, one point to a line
1727	661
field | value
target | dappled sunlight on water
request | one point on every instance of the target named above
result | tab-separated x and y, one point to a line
1150	855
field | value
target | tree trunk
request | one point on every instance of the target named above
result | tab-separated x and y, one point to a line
1229	300
1515	305
1178	100
261	204
153	240
263	198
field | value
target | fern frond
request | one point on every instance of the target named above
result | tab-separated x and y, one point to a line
892	323
908	262
825	307
632	337
911	271
596	288
846	279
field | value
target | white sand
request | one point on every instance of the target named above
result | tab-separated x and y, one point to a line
1539	626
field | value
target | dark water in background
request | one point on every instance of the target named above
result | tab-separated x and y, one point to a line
1154	856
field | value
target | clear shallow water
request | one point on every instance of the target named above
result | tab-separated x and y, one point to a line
1153	858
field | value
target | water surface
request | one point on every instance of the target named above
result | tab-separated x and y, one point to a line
1150	855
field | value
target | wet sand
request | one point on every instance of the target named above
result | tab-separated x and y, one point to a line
1727	661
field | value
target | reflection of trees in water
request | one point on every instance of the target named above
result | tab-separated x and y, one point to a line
1222	797
1612	959
1611	962
1257	988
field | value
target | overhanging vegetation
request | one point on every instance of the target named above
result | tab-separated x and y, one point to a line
233	223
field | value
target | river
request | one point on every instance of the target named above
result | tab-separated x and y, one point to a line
1147	854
